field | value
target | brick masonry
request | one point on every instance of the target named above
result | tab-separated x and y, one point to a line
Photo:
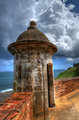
17	107
65	86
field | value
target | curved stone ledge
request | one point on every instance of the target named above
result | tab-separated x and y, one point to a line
42	46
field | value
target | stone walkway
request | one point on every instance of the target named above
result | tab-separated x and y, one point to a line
67	107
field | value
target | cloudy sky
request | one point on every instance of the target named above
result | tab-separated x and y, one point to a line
58	19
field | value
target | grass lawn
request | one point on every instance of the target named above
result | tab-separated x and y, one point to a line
72	72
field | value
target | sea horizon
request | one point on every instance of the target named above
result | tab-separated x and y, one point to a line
6	80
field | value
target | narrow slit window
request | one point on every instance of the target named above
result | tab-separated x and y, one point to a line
50	84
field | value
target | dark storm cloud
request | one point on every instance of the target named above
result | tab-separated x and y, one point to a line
13	16
52	17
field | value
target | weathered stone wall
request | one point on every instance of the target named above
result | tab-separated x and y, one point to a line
76	65
65	86
31	75
32	52
17	107
28	69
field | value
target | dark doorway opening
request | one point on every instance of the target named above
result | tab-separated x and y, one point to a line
50	84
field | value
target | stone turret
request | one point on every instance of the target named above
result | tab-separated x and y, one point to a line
76	65
33	69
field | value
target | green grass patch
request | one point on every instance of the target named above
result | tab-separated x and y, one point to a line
72	72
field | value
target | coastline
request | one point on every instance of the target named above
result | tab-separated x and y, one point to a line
5	95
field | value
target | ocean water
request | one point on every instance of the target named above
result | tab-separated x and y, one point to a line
57	72
6	80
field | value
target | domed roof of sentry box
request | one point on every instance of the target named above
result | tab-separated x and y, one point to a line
32	39
32	33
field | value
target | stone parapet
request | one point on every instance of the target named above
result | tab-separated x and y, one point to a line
65	86
17	107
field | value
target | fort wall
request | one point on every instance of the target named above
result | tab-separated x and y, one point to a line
76	65
19	105
65	86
